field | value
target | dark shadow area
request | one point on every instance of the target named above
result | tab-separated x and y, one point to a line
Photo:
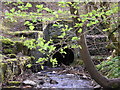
66	59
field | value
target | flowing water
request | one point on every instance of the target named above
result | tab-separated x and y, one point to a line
52	79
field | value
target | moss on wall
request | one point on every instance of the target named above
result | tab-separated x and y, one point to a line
13	67
13	47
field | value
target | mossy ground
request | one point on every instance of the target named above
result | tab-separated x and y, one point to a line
110	68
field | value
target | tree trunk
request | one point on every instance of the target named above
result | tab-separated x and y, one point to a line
99	78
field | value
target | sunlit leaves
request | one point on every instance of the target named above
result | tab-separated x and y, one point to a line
106	29
60	11
75	38
54	62
30	43
22	7
39	6
78	24
92	23
12	10
62	35
58	25
51	48
47	9
75	12
29	65
41	60
31	27
28	5
27	23
62	51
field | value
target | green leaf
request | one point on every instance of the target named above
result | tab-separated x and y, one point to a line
47	9
31	27
42	67
62	51
106	29
60	11
12	10
74	46
80	30
56	15
20	6
26	23
55	25
78	24
28	5
29	65
75	12
93	11
75	38
38	10
39	6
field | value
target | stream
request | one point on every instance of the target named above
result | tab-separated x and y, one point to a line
58	79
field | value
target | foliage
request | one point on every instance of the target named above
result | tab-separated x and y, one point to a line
90	19
110	68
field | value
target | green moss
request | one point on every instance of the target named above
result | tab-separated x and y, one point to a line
11	60
7	46
7	41
13	83
8	51
11	55
110	68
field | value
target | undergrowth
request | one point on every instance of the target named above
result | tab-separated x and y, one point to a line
110	68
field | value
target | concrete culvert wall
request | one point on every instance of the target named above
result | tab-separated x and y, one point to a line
66	59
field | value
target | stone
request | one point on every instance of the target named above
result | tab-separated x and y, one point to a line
11	55
53	82
52	32
29	82
28	34
41	81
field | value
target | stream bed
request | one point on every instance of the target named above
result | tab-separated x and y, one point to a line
53	79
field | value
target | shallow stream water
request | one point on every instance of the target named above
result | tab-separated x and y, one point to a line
52	79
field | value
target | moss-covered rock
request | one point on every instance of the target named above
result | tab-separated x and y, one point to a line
8	51
13	83
7	41
13	47
7	46
12	67
11	55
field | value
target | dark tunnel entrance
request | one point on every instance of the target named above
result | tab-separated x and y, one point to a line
66	59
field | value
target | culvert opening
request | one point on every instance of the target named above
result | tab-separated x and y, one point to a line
65	59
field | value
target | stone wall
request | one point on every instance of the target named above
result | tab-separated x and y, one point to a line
12	61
